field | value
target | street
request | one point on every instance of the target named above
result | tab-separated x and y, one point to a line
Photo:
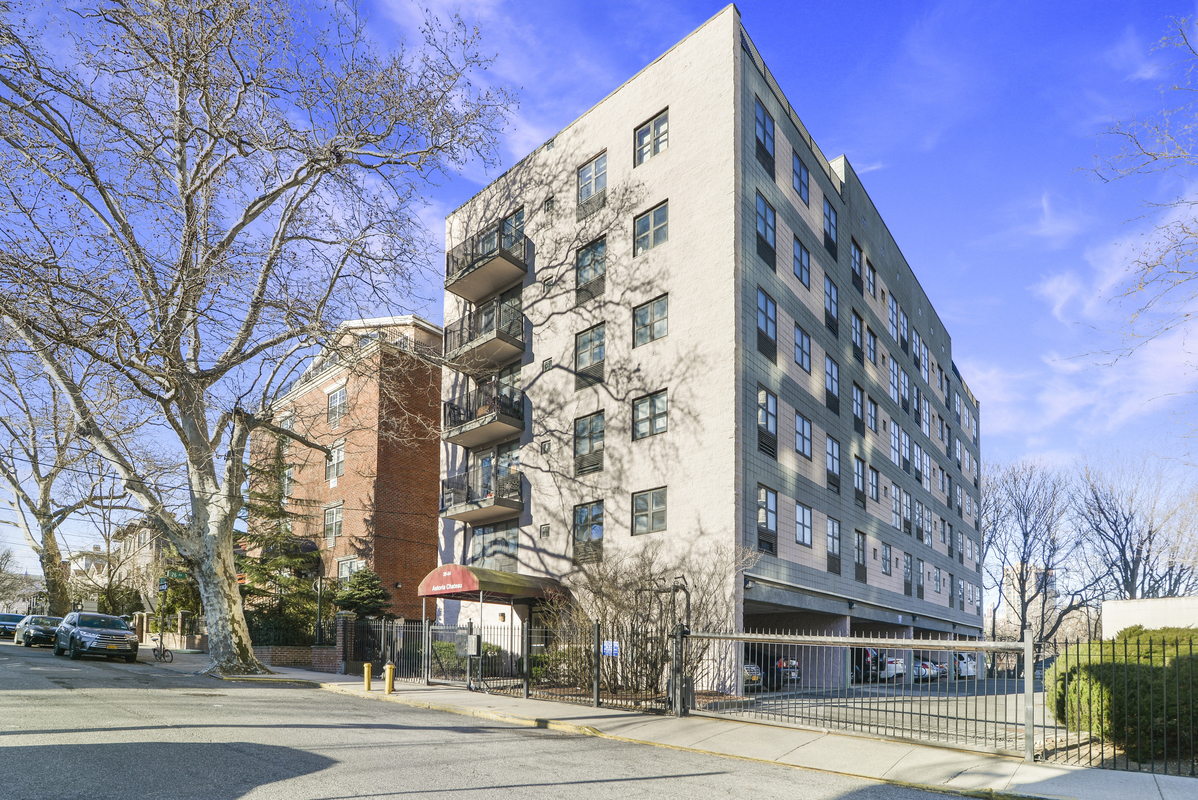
98	729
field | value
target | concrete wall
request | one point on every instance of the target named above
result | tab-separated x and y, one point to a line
1165	612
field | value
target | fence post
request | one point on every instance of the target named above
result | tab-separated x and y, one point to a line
1029	692
426	657
527	656
595	663
679	633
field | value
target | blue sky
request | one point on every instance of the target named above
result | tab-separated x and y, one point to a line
976	126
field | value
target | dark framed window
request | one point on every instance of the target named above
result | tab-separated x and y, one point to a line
767	315
651	229
832	456
764	125
766	221
803	524
802	349
767	410
650	321
767	519
859	550
592	261
649	511
652	137
833	536
858	402
588	532
802	263
871	411
829	222
592	178
588	444
650	415
886	559
801	178
858	474
871	346
589	356
873	484
803	435
495	546
831	298
855	261
871	279
831	376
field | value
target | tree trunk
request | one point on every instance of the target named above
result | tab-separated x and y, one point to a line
56	581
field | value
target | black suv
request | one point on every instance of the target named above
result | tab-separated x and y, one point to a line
81	633
8	623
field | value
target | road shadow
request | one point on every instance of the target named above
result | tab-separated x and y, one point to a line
152	770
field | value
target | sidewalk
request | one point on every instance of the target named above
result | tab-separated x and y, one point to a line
921	766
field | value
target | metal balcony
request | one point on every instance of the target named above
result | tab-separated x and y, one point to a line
484	416
484	264
485	339
482	495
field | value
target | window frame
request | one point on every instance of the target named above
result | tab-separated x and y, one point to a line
802	348
800	178
651	238
802	263
767	218
760	117
653	416
597	176
769	313
767	405
651	511
650	308
338	403
803	435
650	126
830	221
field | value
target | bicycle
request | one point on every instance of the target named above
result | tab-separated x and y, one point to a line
160	652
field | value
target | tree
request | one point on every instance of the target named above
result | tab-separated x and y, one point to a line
1142	530
13	585
196	193
363	594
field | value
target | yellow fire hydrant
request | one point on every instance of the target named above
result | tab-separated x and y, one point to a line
366	675
389	678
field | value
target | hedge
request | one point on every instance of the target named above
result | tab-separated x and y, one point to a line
1143	703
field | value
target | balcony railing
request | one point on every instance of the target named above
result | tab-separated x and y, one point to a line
486	338
485	415
486	263
483	494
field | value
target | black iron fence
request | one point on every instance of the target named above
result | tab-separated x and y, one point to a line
267	632
487	482
488	399
486	319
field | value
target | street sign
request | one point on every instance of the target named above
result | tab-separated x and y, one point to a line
162	584
176	574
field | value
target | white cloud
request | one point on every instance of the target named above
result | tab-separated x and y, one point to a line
1130	56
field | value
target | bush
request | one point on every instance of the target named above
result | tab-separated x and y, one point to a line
1143	703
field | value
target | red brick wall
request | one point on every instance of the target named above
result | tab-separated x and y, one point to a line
285	656
324	659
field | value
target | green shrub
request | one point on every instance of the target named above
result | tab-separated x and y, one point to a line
1143	702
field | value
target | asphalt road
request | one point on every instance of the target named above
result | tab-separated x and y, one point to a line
98	729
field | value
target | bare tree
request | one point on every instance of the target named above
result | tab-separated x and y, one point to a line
196	194
1141	528
51	474
1034	557
13	585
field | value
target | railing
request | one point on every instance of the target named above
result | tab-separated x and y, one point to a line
283	633
485	320
489	399
482	483
481	248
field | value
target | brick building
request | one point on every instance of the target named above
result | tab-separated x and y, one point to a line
374	400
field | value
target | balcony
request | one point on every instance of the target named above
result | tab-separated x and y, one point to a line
486	338
484	264
483	416
482	495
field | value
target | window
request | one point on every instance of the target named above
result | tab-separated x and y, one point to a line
495	546
334	465
886	557
765	129
831	376
894	380
858	402
859	550
833	537
588	524
906	445
588	444
957	445
649	511
592	262
873	484
767	316
801	179
895	434
651	229
337	404
332	525
926	418
802	264
871	279
649	416
919	575
858	327
906	507
767	410
906	385
348	566
831	303
802	524
915	343
829	222
802	349
802	435
855	261
592	178
649	322
896	518
858	474
832	456
652	137
871	419
765	221
907	567
957	404
589	356
924	369
892	318
871	346
936	580
767	519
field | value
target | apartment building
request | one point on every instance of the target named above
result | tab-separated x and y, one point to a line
373	399
677	321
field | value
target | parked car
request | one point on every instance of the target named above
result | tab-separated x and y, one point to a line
8	624
890	667
865	664
36	629
925	671
965	666
752	677
81	634
785	672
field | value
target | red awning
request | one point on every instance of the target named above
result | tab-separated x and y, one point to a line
458	582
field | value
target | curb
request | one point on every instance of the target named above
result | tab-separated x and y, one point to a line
587	730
